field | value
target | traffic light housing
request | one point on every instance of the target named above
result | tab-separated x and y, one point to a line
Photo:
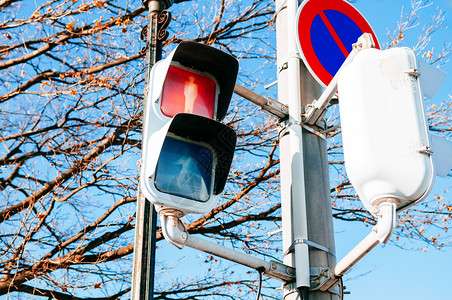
187	152
387	146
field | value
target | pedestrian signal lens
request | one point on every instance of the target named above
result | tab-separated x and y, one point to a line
185	169
188	91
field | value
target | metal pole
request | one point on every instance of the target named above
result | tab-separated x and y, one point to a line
306	205
146	216
295	132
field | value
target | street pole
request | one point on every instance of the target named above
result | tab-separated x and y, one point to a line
305	194
146	216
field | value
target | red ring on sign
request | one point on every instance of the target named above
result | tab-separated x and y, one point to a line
305	17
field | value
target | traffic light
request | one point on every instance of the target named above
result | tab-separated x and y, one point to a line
187	152
388	150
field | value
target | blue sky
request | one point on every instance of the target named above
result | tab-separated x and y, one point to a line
389	272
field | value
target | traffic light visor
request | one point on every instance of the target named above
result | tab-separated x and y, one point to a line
186	169
188	91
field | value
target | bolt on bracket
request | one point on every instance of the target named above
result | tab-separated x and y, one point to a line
413	72
280	271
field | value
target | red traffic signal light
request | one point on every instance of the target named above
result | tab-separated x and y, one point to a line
188	91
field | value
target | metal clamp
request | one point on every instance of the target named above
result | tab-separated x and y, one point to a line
280	271
310	244
282	67
276	108
278	10
285	63
308	128
321	276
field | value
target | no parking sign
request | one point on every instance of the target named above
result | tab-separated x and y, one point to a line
326	31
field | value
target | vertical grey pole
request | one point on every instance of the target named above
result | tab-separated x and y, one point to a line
146	216
314	165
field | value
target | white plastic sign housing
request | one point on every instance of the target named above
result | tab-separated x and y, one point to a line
386	141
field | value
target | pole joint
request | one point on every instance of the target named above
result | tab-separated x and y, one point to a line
157	5
322	277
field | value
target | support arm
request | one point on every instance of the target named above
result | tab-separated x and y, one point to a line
380	235
175	233
316	109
